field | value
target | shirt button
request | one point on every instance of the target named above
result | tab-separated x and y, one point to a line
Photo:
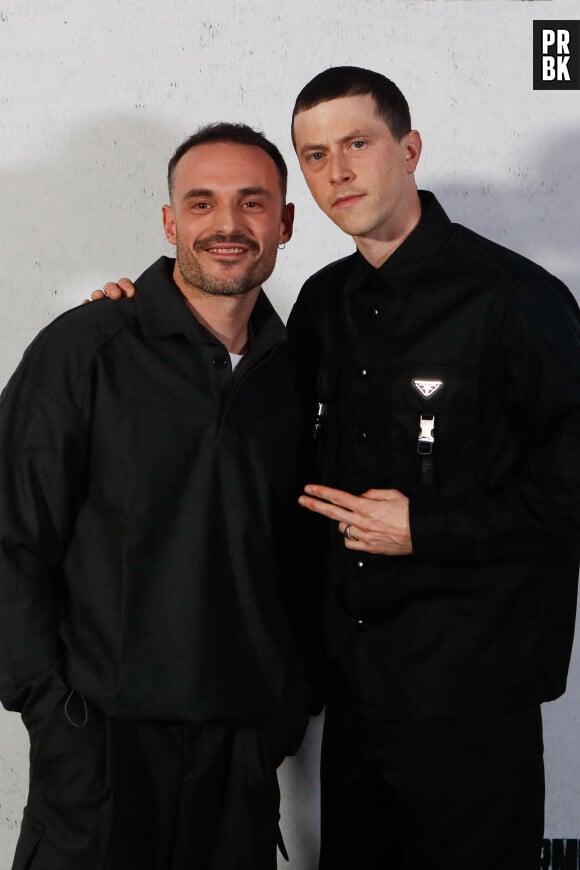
361	625
359	564
362	372
362	437
219	362
374	313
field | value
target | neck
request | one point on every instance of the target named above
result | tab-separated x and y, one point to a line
377	249
226	317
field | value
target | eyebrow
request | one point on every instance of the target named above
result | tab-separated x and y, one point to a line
355	134
196	192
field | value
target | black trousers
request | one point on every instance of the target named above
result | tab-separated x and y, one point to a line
440	794
113	795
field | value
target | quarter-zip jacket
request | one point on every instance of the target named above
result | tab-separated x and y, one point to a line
146	513
457	339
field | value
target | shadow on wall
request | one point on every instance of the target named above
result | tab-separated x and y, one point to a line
536	212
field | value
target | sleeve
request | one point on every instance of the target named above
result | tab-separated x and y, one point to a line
302	591
541	502
42	457
305	344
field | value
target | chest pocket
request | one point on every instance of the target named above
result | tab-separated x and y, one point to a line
433	430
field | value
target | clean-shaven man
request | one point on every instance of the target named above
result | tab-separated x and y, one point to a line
446	372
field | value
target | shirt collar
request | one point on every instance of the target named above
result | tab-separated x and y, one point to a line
405	265
163	311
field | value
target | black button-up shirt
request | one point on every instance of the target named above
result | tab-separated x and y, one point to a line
485	347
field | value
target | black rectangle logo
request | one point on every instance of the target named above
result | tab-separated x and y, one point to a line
557	55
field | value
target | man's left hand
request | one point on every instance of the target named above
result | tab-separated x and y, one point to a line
378	520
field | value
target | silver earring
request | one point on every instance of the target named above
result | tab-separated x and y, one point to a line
281	247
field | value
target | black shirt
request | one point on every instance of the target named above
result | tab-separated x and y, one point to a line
455	328
147	501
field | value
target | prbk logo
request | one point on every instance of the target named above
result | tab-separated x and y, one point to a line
556	55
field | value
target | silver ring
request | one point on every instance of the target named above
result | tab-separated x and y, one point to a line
347	533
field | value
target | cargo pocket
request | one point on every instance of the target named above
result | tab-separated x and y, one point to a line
70	789
31	833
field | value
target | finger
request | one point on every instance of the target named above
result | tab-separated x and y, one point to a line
356	531
113	291
358	545
335	496
357	541
332	511
349	531
96	295
380	494
127	287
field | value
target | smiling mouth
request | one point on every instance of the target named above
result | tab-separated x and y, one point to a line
225	251
227	247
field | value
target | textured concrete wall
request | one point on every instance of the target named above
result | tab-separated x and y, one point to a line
93	99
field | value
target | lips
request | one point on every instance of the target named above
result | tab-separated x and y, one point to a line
227	246
224	250
346	199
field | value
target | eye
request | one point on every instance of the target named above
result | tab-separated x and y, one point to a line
357	144
315	156
251	203
200	206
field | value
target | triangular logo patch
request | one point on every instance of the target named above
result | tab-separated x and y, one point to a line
427	388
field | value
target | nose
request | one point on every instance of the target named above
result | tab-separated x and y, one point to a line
226	219
340	170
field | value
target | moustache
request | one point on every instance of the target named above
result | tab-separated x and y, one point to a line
235	239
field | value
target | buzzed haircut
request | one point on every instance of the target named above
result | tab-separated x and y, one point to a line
238	134
354	81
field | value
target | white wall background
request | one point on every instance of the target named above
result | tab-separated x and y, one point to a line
94	97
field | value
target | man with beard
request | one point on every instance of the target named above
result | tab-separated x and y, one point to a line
147	523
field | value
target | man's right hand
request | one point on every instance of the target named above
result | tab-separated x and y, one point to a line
123	287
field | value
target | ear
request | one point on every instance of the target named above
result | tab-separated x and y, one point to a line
413	148
286	223
169	224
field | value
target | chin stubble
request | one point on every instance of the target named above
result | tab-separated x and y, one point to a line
197	277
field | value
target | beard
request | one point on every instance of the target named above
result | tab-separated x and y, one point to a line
196	276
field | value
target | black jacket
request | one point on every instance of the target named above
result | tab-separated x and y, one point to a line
481	616
147	509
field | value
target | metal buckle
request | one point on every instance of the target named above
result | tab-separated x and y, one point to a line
426	434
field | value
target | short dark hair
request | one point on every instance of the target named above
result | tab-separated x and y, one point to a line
353	81
239	134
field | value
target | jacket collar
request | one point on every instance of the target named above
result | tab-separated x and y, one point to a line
163	311
405	265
